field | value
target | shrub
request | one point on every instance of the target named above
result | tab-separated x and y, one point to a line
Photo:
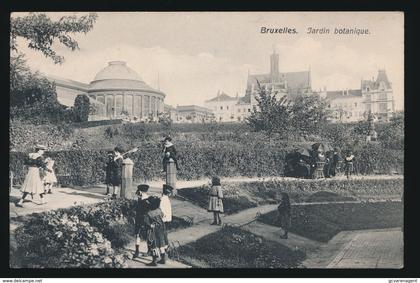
81	108
235	248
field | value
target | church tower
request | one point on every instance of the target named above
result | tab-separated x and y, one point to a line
274	62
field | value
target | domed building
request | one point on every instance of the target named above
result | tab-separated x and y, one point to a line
116	91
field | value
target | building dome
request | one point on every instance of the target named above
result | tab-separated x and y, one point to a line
123	92
118	76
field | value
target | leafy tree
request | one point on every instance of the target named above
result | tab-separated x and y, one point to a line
41	32
392	135
81	108
305	115
271	115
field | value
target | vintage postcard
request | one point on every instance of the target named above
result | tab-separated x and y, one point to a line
187	140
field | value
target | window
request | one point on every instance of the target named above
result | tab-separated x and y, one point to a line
367	89
382	96
221	107
382	107
227	107
368	97
355	104
249	109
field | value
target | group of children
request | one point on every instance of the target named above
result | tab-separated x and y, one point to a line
153	215
40	178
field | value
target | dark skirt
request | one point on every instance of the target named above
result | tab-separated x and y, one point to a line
157	237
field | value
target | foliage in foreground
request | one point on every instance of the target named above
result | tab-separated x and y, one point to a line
90	236
235	248
321	222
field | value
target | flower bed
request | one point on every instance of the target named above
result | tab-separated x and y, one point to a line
321	222
235	248
88	236
240	196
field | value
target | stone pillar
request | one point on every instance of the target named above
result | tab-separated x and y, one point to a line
171	175
133	106
150	106
127	179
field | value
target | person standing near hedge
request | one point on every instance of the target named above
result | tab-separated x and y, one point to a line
108	171
348	163
156	232
142	208
285	216
334	162
116	171
169	152
216	200
33	183
165	206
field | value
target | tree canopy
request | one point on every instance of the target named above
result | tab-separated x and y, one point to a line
41	32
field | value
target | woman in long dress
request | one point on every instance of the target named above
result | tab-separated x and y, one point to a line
216	200
33	184
116	171
285	216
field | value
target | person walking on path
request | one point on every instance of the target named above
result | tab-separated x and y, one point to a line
108	171
348	164
285	216
334	162
49	177
116	171
165	206
216	200
33	184
169	152
142	208
156	232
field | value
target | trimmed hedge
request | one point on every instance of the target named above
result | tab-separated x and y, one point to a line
240	196
321	222
201	159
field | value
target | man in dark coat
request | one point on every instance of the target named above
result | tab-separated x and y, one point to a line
169	152
142	208
334	162
108	169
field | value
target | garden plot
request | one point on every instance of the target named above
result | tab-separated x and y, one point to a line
232	247
321	222
243	195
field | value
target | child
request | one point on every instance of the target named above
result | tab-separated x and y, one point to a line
49	177
116	168
156	232
33	184
216	200
142	208
169	152
165	206
284	214
348	163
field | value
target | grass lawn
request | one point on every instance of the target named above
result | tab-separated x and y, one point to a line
321	222
235	248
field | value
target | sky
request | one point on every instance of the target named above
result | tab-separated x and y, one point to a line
196	54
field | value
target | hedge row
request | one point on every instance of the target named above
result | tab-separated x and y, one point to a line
200	159
244	195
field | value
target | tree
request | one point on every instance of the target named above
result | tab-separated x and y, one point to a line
305	115
81	108
271	115
41	32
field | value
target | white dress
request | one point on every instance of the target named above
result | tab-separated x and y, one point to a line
33	183
50	177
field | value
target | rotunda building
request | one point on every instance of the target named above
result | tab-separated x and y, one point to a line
123	93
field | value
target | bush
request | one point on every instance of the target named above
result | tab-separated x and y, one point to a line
235	248
81	108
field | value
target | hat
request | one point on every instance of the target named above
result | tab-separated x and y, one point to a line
215	181
142	188
40	146
119	149
167	189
